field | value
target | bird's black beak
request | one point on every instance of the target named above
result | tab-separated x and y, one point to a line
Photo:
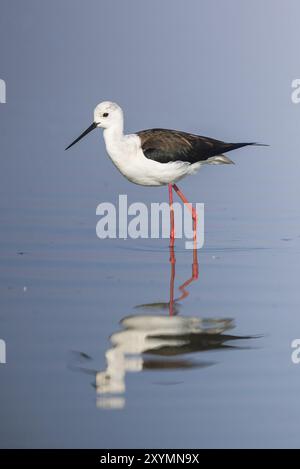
87	131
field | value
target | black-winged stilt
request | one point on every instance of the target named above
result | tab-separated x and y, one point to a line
157	157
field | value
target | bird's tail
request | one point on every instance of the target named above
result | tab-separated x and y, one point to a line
223	159
219	159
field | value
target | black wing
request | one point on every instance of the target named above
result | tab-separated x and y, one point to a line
165	146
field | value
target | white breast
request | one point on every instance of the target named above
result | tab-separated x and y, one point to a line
127	155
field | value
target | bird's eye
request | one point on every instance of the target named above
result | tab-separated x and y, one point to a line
105	114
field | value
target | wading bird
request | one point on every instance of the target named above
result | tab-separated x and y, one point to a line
157	157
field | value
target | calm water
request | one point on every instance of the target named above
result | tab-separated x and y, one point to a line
95	360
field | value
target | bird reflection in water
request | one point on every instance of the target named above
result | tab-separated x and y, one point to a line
159	342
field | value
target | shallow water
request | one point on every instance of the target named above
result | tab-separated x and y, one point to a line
95	360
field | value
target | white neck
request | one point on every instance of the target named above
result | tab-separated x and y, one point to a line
115	142
114	133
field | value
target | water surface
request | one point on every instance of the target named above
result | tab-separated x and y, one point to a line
95	359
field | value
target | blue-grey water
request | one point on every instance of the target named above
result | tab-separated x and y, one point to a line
93	358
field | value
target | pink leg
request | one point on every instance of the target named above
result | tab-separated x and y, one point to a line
194	217
172	226
172	280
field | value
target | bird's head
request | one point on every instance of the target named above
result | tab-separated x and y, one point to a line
106	115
